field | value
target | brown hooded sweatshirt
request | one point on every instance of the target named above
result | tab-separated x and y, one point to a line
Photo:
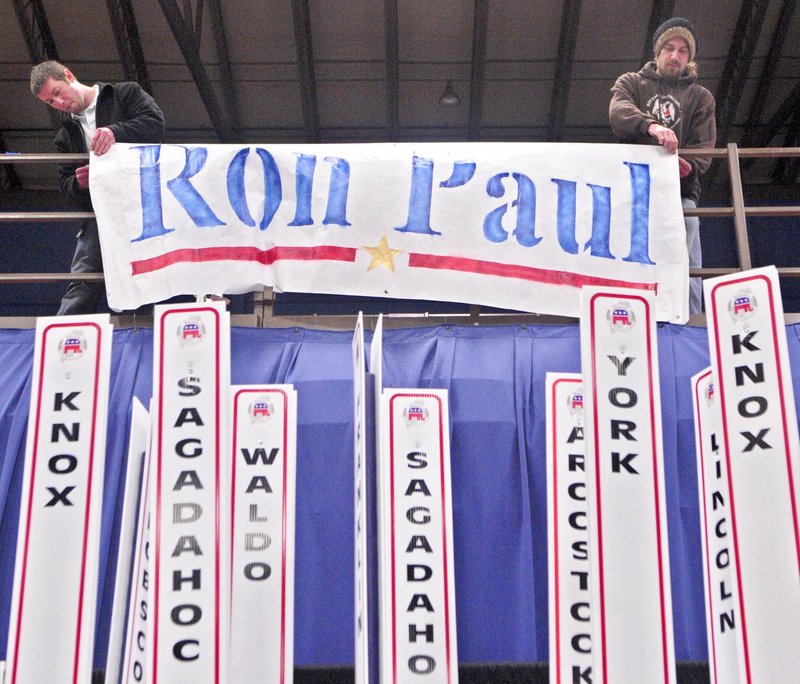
641	98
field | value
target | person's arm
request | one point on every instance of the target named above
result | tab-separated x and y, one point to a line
71	188
702	131
628	121
144	120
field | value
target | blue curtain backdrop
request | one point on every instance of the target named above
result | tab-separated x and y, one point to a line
495	377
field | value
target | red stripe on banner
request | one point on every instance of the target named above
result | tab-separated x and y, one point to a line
261	256
540	275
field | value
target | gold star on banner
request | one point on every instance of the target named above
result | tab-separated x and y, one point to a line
382	255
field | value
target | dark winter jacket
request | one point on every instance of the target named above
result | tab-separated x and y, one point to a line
128	111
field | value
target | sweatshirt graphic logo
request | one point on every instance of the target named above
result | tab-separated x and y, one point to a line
665	108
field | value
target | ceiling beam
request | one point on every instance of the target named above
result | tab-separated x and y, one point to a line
391	32
305	62
129	45
787	109
36	29
737	65
765	80
787	170
39	40
568	37
659	13
477	68
226	70
187	32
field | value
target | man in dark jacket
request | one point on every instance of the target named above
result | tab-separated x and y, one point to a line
663	104
96	117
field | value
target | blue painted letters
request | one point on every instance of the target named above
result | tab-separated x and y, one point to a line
640	213
523	200
525	231
419	200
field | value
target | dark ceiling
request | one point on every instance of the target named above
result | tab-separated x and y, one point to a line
319	71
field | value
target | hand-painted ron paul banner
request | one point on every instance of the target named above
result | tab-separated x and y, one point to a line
512	225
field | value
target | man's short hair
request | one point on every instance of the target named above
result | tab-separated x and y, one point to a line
41	72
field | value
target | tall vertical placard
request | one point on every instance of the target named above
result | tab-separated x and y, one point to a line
750	360
721	593
52	621
418	620
191	381
629	550
376	502
262	501
125	661
376	360
567	532
137	626
360	612
365	534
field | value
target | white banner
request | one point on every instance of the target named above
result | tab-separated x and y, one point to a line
567	532
52	620
418	607
262	490
519	225
719	585
191	381
749	354
629	550
125	661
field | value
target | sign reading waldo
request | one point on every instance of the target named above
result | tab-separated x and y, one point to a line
262	505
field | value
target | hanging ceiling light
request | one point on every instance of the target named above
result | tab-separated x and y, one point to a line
449	97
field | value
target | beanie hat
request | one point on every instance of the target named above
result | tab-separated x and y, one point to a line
676	28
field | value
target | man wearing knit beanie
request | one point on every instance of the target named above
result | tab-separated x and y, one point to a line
662	104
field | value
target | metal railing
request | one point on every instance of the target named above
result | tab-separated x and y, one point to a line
737	210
